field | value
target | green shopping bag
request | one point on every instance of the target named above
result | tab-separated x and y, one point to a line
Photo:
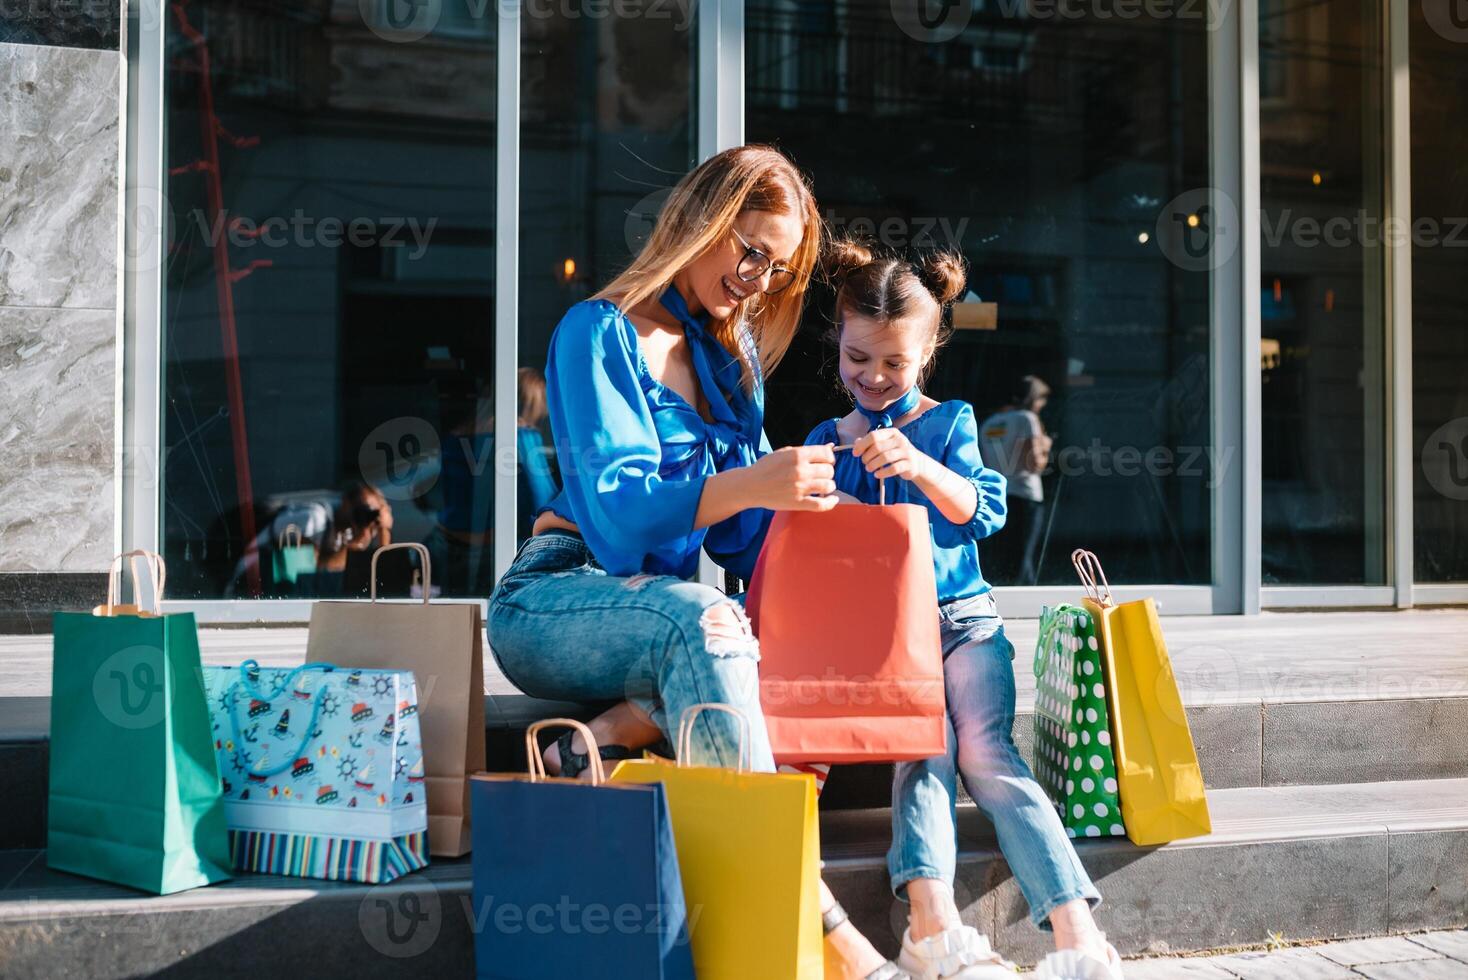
134	791
291	558
1073	757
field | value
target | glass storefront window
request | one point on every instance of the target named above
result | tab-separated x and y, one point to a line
1323	325
328	319
607	127
1067	159
1439	75
328	322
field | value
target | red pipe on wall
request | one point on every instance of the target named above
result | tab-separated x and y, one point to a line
224	279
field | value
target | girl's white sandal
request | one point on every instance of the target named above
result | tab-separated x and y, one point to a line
963	953
1072	964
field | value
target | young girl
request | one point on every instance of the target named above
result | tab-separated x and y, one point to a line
888	314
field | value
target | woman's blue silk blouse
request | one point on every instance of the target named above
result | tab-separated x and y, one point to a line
947	432
634	455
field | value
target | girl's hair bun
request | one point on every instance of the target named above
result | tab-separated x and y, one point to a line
842	257
943	274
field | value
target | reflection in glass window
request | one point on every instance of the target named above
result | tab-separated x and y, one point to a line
1323	321
328	314
1067	158
607	129
1439	269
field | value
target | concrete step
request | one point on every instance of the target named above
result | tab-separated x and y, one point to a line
1308	862
1240	745
1273	700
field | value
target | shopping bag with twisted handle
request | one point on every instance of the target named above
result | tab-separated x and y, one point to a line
293	557
749	851
134	794
1073	758
323	770
442	643
851	658
575	879
1159	780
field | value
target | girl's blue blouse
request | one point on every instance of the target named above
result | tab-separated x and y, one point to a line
634	455
947	432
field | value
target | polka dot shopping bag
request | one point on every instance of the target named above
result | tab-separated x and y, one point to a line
1157	773
1073	758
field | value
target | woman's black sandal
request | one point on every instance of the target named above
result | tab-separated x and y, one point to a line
834	918
574	763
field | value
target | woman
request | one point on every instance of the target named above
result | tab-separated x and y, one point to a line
655	391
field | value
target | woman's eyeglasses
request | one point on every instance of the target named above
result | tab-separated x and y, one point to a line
755	264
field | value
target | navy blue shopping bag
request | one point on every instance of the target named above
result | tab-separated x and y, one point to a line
575	879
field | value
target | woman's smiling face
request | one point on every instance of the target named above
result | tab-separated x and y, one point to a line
880	361
711	282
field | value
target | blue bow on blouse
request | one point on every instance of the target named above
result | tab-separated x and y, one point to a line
734	435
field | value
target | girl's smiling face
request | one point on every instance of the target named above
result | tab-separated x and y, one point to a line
881	361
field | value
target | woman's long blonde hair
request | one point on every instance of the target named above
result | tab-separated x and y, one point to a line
699	214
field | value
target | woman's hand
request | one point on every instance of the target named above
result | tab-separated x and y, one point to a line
887	452
795	478
792	478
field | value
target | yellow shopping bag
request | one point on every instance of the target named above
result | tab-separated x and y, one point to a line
1158	778
749	851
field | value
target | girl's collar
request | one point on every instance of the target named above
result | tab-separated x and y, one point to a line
888	416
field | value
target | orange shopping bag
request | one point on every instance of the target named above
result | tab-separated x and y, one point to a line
846	610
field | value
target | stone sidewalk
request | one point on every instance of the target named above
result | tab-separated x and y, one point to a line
1425	956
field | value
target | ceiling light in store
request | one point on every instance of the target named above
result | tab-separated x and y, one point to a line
1143	237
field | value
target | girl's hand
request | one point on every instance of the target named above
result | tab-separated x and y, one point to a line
887	452
795	478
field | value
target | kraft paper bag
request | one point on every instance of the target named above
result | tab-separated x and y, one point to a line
442	643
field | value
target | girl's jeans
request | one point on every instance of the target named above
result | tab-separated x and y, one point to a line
979	683
560	627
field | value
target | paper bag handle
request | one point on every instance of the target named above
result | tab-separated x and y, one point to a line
422	556
685	732
881	484
1092	576
537	762
158	573
285	536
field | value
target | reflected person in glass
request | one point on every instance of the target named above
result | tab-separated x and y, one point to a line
1014	442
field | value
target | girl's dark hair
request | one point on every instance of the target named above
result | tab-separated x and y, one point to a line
886	288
